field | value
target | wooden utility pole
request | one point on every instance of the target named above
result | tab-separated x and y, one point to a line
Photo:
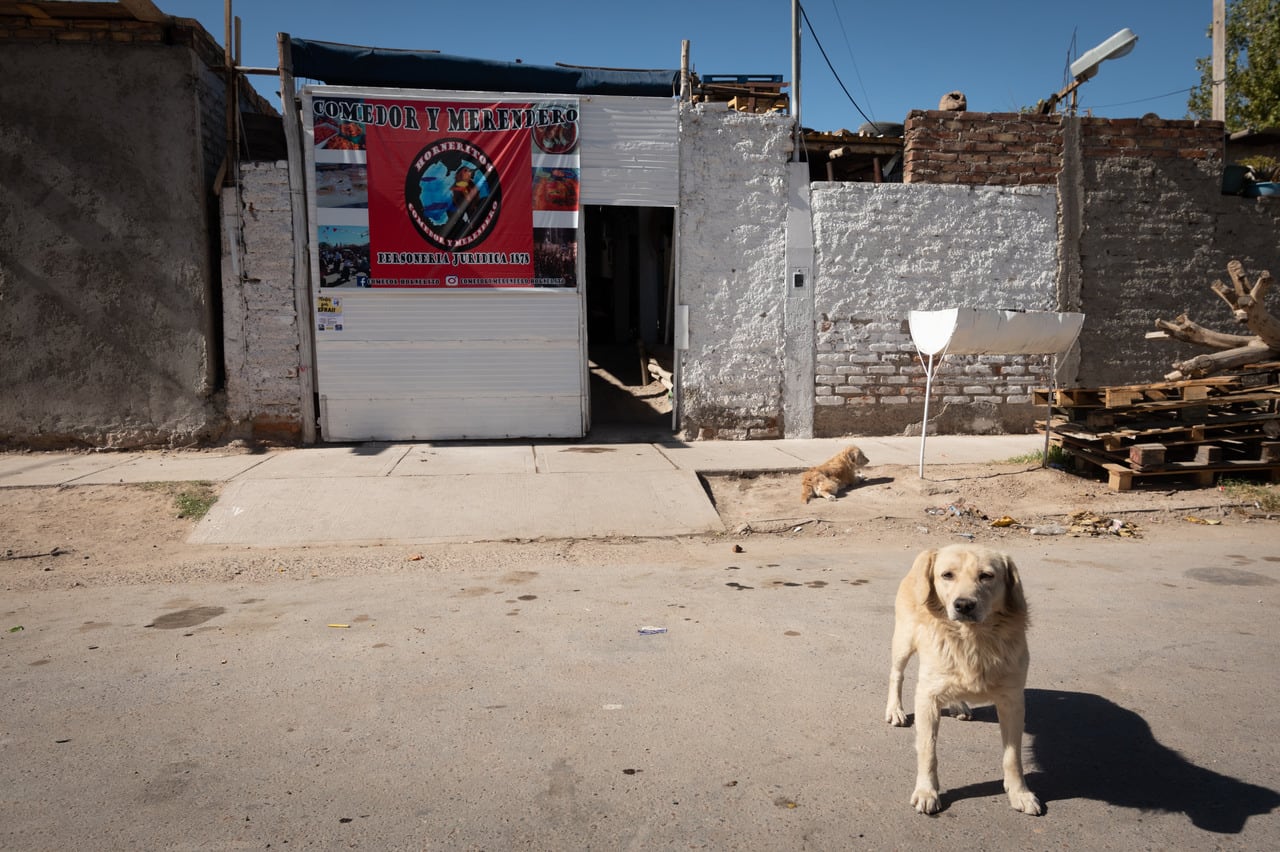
1219	84
685	93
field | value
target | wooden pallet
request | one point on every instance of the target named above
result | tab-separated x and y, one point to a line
1265	376
1151	460
1224	429
1118	440
1179	410
1196	427
1120	478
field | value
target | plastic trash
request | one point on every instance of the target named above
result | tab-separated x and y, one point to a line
1049	529
650	631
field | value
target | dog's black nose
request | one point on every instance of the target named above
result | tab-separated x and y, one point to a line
966	606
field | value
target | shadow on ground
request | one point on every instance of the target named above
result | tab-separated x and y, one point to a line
1086	747
625	405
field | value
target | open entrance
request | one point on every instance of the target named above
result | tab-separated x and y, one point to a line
628	279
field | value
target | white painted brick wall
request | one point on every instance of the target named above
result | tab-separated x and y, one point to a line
884	250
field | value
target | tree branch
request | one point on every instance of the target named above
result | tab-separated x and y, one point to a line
1248	303
1216	362
1184	329
1248	306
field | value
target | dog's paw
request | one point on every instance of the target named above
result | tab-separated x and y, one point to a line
1025	801
926	801
896	716
961	711
829	496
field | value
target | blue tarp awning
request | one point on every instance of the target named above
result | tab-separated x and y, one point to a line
353	65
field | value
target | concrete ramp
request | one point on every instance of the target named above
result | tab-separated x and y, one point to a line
464	507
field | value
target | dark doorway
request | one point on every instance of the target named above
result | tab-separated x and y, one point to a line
628	278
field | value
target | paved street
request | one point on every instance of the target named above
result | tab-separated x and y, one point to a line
512	703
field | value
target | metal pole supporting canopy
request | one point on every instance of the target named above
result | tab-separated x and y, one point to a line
985	331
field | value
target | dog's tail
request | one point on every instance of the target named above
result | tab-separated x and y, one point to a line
806	492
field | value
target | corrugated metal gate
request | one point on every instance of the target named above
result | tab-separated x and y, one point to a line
479	364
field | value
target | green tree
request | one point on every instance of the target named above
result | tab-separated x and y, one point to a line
1253	68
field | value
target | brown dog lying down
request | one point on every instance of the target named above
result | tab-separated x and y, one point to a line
962	610
839	471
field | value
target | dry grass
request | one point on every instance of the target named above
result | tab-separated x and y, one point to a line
192	499
1263	496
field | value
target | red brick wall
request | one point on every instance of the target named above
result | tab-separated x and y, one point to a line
1151	138
982	148
1015	149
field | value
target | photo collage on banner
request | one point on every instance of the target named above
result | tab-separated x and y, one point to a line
426	194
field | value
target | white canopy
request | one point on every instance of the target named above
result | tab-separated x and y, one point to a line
986	331
978	331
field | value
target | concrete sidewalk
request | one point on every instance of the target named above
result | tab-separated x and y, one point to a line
436	492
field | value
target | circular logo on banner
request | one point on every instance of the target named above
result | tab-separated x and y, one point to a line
452	194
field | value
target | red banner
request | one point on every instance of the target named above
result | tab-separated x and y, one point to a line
457	194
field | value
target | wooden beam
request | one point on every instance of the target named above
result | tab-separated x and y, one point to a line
303	303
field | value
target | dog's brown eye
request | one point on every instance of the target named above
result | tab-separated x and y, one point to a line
986	577
948	575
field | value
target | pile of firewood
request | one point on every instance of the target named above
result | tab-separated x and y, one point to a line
1234	350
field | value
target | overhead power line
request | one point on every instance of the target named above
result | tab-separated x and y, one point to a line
808	24
862	87
1143	100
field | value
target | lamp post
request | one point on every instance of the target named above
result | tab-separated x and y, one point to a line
1086	67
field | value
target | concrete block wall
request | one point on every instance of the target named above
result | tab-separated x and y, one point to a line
1157	232
733	191
265	378
884	250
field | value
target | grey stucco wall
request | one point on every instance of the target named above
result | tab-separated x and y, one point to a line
733	196
883	250
1157	233
106	330
265	376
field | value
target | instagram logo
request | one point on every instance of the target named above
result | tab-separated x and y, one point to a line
451	281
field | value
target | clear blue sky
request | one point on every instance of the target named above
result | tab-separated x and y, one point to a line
1003	54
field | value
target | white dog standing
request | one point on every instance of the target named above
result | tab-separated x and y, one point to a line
962	610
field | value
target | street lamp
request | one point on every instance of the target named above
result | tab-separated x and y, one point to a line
1120	44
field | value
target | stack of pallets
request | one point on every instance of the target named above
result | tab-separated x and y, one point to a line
745	92
1199	428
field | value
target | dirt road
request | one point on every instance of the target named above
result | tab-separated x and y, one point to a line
97	535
